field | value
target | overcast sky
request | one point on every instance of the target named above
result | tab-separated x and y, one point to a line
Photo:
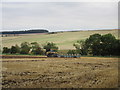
59	16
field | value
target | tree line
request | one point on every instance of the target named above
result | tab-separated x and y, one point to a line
25	32
30	48
96	45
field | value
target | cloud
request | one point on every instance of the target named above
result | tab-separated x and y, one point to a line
60	1
60	15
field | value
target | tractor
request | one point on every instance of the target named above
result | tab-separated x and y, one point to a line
52	53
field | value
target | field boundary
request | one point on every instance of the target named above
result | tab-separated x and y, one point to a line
21	56
28	56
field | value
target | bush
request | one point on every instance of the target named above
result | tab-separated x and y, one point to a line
50	46
6	50
15	49
81	47
36	49
72	52
25	48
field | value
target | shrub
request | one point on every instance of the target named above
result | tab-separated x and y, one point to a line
15	49
72	52
49	46
25	48
36	49
6	50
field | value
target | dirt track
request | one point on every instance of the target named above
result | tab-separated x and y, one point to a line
84	72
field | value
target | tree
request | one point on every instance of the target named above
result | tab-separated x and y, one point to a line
36	49
99	45
15	49
117	48
109	43
93	44
25	48
6	50
80	47
0	49
34	45
50	46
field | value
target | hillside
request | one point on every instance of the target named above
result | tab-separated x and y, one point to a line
64	40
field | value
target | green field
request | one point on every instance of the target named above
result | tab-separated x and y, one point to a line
63	40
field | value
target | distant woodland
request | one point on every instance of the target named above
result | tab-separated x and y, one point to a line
25	32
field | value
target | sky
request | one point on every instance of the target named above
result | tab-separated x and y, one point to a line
59	16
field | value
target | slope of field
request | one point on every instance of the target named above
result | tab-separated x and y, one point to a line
63	40
84	72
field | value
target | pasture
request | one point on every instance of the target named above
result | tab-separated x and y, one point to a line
64	40
84	72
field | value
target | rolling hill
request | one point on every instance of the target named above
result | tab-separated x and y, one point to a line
64	40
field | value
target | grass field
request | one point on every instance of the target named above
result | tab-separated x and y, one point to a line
63	40
84	72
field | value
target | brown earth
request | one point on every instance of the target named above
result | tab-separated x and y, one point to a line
84	72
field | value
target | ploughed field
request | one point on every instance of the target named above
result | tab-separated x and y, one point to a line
84	72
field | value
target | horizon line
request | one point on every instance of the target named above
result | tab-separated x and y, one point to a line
61	30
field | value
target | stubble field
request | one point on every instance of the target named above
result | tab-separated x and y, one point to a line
84	72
